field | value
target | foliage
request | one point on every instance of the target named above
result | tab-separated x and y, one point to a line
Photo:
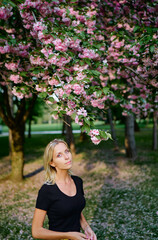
77	54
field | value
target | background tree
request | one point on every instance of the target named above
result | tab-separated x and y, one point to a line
86	53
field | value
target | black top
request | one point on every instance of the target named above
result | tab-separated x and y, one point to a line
63	211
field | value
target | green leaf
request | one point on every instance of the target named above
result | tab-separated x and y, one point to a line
86	128
106	90
24	74
99	93
152	48
82	34
66	73
87	121
55	112
95	72
42	95
6	2
88	61
136	28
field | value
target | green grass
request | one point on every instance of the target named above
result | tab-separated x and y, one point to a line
59	124
121	195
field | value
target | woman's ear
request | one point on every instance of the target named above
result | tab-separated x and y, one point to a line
52	164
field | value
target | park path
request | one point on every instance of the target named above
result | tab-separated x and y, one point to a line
41	132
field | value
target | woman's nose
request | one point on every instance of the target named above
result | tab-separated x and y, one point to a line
66	156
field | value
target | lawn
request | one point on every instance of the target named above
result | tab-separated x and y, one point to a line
121	195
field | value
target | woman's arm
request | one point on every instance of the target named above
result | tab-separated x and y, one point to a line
87	229
39	232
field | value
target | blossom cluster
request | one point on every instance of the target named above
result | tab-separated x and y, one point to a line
79	55
5	12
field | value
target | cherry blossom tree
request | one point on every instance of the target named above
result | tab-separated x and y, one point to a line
76	54
54	51
131	35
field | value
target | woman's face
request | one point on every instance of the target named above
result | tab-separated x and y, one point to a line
62	157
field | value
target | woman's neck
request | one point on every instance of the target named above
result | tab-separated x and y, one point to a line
63	177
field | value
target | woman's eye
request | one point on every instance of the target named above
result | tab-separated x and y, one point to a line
67	151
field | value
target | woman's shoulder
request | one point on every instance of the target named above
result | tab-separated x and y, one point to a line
77	178
46	187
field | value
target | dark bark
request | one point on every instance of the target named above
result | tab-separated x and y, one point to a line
16	123
17	152
113	132
154	142
83	136
130	144
29	129
136	126
63	129
69	134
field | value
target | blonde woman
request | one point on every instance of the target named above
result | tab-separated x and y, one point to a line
61	197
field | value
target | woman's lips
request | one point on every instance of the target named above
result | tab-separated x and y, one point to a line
69	162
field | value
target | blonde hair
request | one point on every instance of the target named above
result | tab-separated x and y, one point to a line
50	172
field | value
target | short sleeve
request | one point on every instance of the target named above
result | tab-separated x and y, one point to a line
80	183
43	200
82	186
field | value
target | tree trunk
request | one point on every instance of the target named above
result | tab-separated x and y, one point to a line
136	126
154	144
17	152
130	138
83	137
69	134
113	132
29	129
63	128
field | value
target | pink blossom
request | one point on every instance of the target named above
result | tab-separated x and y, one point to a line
5	13
39	26
55	116
16	78
71	104
28	95
59	45
80	76
39	89
53	81
75	23
90	24
114	86
119	25
94	132
75	44
17	94
138	85
100	38
77	89
125	114
88	53
59	92
95	140
12	66
90	30
80	68
5	49
69	112
91	13
82	111
37	61
78	121
143	96
147	106
68	89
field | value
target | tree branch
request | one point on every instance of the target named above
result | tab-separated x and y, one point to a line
31	105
